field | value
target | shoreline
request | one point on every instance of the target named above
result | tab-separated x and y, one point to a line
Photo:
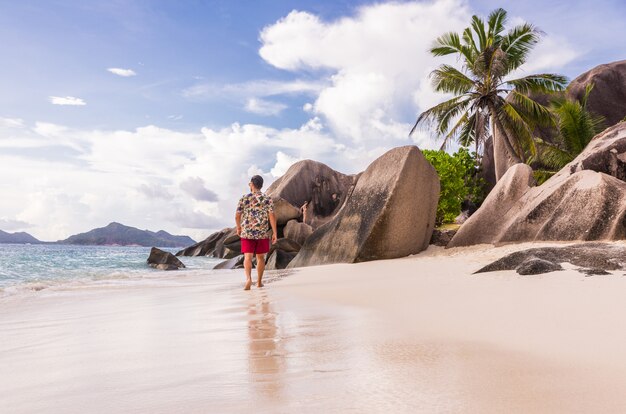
418	334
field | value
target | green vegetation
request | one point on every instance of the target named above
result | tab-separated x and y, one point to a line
575	127
489	55
457	175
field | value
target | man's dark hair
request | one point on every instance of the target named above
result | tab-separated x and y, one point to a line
257	182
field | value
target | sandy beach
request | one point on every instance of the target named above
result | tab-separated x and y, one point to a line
420	334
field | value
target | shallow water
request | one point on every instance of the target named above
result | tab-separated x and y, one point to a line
39	266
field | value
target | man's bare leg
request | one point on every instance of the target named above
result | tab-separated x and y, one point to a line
260	268
247	266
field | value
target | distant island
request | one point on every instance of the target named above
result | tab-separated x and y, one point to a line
18	238
115	234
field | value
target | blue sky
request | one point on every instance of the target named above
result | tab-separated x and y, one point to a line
222	89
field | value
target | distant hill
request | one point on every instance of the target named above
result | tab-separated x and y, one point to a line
20	238
119	234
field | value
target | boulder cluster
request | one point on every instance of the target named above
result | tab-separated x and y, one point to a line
324	216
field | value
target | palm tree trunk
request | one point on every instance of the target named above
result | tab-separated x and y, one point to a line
504	136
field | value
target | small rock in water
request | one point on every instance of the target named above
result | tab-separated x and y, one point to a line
164	260
535	266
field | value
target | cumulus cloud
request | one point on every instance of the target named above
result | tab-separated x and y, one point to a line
10	225
67	100
264	107
155	191
152	177
122	72
379	57
195	187
283	162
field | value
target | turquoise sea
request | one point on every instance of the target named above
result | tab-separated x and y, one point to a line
39	266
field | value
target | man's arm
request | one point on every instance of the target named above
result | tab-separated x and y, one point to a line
273	224
238	221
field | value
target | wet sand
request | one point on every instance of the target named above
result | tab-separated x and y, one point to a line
414	335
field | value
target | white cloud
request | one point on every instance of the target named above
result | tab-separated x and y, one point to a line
11	122
379	57
264	107
151	177
67	100
122	72
195	187
258	88
11	225
283	162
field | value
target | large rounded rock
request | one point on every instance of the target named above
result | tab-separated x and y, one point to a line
206	246
484	225
324	189
162	260
279	259
608	97
297	232
586	200
284	210
390	213
605	153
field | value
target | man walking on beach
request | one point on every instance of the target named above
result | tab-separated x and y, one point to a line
255	214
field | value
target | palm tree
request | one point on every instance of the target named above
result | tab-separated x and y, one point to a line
478	106
575	128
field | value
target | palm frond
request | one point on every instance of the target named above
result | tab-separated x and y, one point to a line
449	79
576	125
479	28
538	83
496	21
441	111
552	156
518	42
453	132
533	111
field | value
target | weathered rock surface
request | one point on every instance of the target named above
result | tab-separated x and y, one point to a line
297	231
205	247
284	211
605	153
587	255
577	203
285	245
390	213
310	181
279	259
162	260
608	97
595	272
232	263
442	237
536	266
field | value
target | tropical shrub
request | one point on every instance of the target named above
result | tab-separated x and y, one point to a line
575	127
458	179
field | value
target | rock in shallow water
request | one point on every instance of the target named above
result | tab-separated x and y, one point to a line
162	260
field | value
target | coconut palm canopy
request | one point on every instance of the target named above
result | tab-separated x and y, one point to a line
484	98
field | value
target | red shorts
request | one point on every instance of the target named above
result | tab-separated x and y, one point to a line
260	246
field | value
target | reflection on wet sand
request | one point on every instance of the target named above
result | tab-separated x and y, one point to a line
266	363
